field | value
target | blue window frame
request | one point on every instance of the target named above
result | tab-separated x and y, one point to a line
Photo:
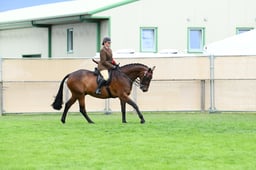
240	30
148	39
196	39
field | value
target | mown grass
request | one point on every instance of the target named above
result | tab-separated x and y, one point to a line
167	141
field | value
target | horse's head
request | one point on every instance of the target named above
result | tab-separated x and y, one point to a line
140	71
145	79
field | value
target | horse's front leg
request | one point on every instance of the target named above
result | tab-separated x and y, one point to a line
134	105
123	110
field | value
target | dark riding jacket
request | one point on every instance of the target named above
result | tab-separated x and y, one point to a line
106	59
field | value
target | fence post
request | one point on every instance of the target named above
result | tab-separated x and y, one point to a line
1	98
134	94
1	88
107	108
202	95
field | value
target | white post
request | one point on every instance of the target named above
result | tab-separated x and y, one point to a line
1	98
107	108
134	94
202	95
1	88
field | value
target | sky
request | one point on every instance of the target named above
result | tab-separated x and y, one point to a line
6	5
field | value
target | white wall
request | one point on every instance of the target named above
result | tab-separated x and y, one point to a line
84	40
17	42
172	18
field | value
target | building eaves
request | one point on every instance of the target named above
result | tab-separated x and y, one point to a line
62	12
110	6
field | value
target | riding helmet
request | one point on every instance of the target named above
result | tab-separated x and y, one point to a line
106	39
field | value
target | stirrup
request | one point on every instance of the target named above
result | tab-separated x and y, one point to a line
98	91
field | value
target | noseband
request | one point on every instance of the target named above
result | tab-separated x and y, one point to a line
145	79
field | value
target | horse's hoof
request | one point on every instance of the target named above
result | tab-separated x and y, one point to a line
63	121
142	121
124	122
91	122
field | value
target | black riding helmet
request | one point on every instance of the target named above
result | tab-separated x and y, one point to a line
106	39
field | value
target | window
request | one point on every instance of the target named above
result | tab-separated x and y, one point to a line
70	40
240	30
31	56
148	39
196	38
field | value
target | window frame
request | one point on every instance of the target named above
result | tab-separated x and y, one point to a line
70	40
243	29
31	56
155	40
202	40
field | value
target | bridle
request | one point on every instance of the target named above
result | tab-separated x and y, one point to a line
144	81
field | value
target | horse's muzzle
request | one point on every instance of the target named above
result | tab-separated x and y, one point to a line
144	88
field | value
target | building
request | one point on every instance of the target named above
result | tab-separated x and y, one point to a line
77	27
183	25
64	29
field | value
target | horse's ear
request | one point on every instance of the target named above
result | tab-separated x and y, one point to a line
153	68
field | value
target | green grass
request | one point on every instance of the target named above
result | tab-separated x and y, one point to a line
167	141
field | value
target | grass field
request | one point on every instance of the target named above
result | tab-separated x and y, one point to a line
167	141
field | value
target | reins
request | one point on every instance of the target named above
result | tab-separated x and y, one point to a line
136	81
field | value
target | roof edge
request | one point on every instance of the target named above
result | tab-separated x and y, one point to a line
60	18
111	6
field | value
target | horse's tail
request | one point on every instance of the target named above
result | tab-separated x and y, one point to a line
57	104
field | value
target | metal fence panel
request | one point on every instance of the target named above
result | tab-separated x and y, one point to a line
179	84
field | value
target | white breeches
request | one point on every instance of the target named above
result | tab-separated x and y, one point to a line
104	74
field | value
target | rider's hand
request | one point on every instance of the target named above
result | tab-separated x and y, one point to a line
115	67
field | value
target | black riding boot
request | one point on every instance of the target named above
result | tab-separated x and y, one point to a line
101	83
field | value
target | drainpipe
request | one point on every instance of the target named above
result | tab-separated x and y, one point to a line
49	41
212	108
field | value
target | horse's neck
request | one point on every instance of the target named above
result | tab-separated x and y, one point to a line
132	73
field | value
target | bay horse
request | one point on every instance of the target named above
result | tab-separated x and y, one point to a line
84	82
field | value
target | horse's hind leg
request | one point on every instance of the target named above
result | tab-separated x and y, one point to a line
68	104
82	109
123	110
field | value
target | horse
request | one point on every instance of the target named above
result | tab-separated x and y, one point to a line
84	82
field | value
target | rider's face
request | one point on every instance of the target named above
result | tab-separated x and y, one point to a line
107	44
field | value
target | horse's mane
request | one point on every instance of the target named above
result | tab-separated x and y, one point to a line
133	64
130	66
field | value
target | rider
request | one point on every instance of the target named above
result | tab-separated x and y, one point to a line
106	63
